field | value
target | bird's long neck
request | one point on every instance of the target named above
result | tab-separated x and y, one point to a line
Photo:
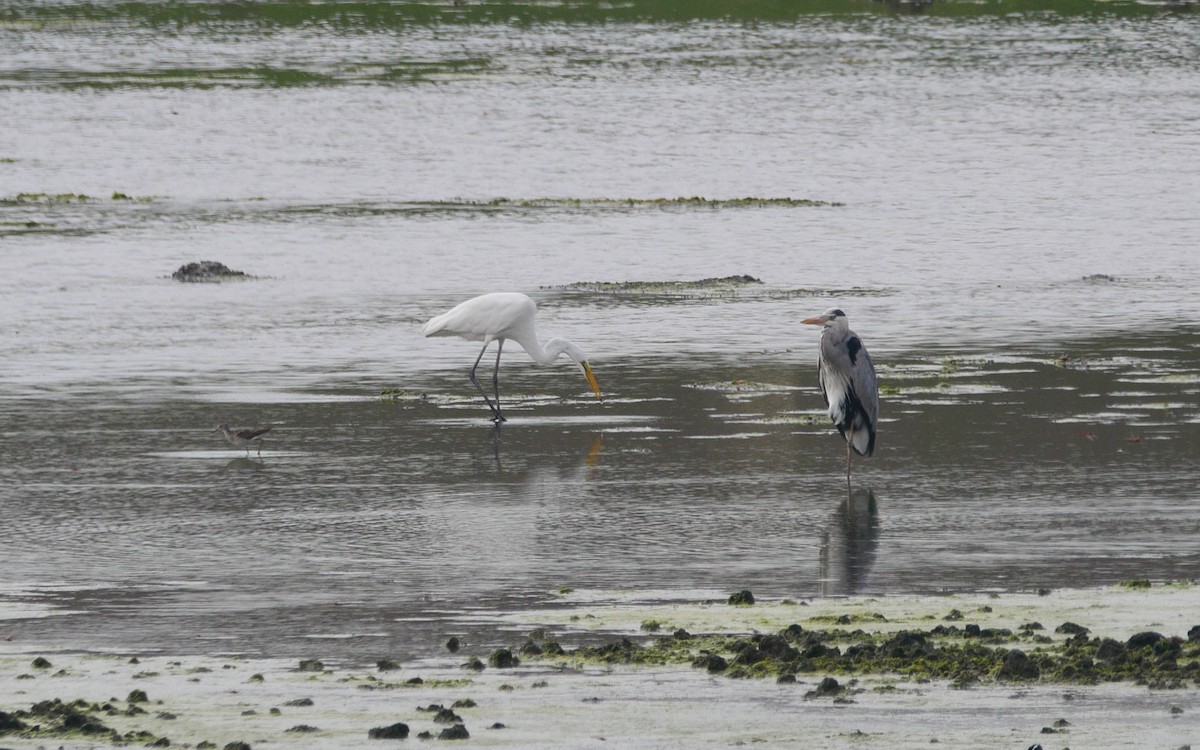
543	355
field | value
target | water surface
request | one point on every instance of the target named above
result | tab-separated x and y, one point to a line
1003	204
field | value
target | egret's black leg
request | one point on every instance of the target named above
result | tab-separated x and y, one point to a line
496	415
496	378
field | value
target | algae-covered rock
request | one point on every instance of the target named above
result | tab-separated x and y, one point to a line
456	732
207	271
10	723
1018	666
713	663
1070	628
742	598
502	658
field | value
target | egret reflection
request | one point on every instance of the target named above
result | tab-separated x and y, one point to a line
849	543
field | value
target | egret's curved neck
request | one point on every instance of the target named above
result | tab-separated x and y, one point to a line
544	355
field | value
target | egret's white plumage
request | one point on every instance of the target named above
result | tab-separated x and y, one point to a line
847	378
498	317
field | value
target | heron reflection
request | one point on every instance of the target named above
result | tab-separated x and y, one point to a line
849	543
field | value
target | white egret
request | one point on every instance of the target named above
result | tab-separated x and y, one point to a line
243	438
847	378
498	317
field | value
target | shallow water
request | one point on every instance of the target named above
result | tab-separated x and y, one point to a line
1010	226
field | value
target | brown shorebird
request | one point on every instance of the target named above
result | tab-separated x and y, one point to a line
243	438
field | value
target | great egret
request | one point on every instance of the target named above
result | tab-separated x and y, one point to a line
498	317
847	378
243	438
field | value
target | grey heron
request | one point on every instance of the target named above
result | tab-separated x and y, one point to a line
498	317
847	378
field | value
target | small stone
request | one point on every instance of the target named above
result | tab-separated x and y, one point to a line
742	598
1060	723
300	702
447	716
256	678
302	729
414	681
311	665
397	731
1070	628
238	746
827	687
137	696
275	711
456	732
425	736
955	614
41	663
464	703
452	644
711	662
497	725
474	664
386	665
160	742
786	679
1194	633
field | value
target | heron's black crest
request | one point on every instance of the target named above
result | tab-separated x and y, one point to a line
853	344
837	313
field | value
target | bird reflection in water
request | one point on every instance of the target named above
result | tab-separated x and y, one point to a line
849	544
590	461
242	463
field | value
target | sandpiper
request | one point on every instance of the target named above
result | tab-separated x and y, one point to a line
243	438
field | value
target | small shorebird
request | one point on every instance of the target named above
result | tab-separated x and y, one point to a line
243	438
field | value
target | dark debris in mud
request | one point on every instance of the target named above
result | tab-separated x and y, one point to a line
964	655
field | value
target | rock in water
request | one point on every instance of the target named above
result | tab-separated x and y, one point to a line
397	731
207	270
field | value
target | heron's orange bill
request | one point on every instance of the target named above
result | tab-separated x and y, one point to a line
591	379
817	321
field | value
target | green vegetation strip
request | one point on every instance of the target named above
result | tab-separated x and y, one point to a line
963	655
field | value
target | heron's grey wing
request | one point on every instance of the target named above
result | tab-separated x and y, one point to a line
865	385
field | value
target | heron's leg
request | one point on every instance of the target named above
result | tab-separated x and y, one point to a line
496	415
848	453
496	378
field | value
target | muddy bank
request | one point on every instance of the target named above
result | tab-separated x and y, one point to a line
623	679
